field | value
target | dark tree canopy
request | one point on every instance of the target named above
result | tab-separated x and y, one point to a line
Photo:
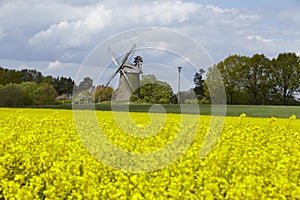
199	84
255	76
63	85
138	60
286	76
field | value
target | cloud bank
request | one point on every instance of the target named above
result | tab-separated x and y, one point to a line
57	32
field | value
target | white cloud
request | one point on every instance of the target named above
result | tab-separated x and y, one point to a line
74	33
218	10
101	20
258	38
270	47
58	66
30	13
58	69
53	66
110	17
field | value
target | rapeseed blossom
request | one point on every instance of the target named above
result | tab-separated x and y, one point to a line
42	157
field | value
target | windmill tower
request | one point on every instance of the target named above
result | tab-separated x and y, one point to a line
129	81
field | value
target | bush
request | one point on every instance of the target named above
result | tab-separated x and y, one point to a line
11	95
26	94
164	101
191	101
204	100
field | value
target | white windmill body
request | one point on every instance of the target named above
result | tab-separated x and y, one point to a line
129	81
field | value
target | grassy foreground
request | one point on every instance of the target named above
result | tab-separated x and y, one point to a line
43	157
231	110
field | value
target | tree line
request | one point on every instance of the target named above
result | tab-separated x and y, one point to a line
152	91
29	87
247	80
258	79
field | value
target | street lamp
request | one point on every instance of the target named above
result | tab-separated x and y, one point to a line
179	71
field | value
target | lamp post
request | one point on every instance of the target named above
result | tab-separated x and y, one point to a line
179	71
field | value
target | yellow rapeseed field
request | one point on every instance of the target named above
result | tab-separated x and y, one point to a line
43	157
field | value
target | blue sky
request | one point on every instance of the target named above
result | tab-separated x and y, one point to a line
56	36
240	4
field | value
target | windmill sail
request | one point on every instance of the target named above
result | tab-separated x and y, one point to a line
129	76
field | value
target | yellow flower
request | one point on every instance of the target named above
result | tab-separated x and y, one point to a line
42	157
243	115
293	117
273	119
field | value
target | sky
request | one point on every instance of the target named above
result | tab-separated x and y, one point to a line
59	37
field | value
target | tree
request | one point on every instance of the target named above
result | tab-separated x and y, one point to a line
29	90
255	77
27	93
9	76
63	85
45	94
188	96
103	93
49	80
285	76
150	78
158	92
138	60
230	70
154	91
29	75
86	84
214	89
11	95
199	84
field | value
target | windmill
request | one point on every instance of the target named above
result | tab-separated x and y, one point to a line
129	81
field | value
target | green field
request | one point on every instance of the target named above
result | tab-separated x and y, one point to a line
231	110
